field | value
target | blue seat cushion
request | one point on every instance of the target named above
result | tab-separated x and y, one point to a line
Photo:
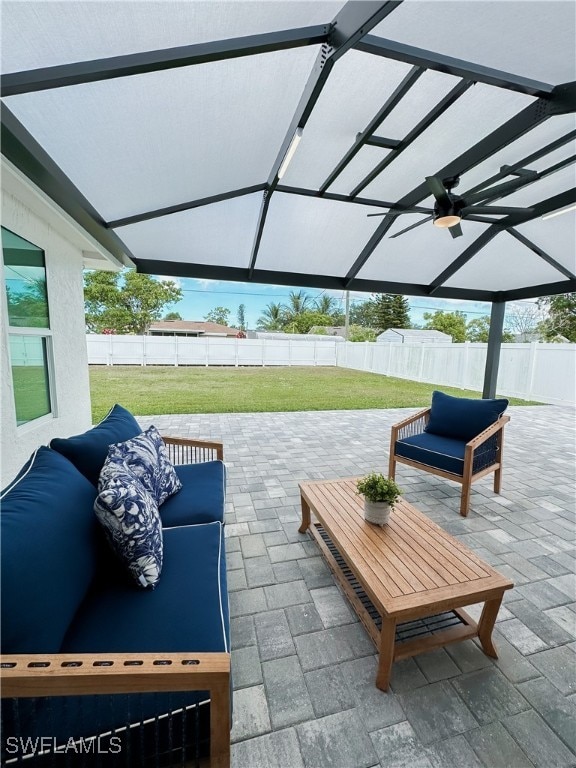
435	451
49	537
88	451
462	418
202	497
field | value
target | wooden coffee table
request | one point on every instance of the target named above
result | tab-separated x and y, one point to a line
407	580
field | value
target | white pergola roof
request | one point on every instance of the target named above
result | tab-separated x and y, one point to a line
161	126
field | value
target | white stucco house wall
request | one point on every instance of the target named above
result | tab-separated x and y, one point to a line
29	214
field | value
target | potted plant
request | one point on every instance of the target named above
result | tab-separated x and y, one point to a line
380	493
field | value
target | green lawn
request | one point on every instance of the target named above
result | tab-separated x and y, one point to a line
162	389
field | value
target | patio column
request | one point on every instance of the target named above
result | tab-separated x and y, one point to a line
493	351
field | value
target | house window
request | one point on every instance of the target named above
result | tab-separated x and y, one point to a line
29	335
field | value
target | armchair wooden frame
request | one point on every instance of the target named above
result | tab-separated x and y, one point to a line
38	675
185	450
416	423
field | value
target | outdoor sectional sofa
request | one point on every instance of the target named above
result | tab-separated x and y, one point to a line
85	650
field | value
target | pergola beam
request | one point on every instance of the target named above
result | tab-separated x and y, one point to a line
153	61
419	57
493	349
543	255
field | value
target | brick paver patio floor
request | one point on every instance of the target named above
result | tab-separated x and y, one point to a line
303	666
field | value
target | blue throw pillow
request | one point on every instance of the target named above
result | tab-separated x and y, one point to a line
48	552
131	521
146	456
88	451
462	417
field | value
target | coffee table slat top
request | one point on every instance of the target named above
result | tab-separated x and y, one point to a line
408	563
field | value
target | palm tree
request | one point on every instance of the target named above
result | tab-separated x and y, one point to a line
272	318
298	302
325	304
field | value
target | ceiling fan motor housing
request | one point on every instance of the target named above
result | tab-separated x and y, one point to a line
454	209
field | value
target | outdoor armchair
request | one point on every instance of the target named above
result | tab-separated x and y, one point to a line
460	439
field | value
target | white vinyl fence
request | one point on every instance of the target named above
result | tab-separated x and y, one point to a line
543	372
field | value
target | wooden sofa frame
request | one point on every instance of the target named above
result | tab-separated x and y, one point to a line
39	675
416	423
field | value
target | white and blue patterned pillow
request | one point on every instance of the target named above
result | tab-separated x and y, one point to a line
146	456
131	520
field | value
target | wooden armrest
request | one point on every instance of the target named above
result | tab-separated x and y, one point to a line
410	419
488	432
204	448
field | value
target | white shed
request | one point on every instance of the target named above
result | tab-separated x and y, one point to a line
413	336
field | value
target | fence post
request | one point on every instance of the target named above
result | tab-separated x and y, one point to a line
206	339
143	351
176	350
365	356
315	353
110	351
532	368
289	353
421	365
236	353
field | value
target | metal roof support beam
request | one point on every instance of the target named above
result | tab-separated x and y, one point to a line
127	220
464	258
493	350
543	255
365	136
354	21
417	131
341	198
153	61
21	149
419	57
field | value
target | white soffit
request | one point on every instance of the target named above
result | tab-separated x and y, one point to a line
357	88
313	236
551	185
532	39
220	233
536	139
504	264
141	143
420	255
43	34
556	236
472	117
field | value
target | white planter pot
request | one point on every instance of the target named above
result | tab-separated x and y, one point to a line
376	512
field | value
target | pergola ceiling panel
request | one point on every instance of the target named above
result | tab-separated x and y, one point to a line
533	141
357	88
533	39
313	236
556	236
477	113
42	34
221	234
145	142
504	264
544	188
420	255
358	168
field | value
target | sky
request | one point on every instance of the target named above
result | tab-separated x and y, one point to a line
200	296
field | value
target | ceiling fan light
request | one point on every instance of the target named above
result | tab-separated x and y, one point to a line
448	220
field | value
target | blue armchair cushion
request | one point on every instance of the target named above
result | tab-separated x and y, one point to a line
48	552
147	457
462	418
440	452
88	451
203	497
131	520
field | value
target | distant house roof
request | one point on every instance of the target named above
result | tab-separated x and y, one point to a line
280	336
412	335
190	328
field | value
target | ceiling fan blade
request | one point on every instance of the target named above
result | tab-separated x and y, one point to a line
438	189
499	190
412	226
456	231
496	210
393	212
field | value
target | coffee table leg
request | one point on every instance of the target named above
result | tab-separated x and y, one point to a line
305	516
386	657
486	625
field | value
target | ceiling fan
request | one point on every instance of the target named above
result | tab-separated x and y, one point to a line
449	209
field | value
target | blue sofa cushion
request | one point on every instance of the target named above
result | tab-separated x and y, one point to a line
441	452
49	537
202	498
88	451
148	459
131	520
462	418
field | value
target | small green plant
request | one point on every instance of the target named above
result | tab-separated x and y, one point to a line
376	487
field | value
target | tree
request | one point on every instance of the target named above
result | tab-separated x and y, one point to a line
361	314
477	330
127	302
326	305
302	322
218	315
298	302
272	318
28	306
242	317
562	316
452	323
525	319
358	333
172	316
388	310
